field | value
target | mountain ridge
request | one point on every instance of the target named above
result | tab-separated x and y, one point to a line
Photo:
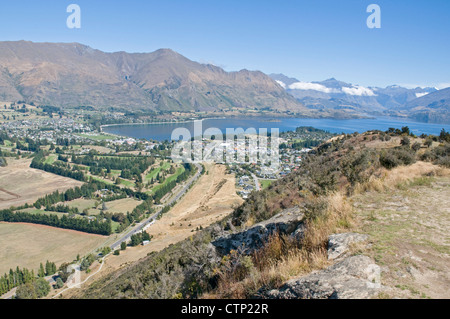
393	100
73	74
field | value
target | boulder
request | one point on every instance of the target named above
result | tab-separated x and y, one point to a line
339	244
355	277
254	237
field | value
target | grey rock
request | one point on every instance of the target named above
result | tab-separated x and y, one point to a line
413	271
355	277
338	244
254	237
299	232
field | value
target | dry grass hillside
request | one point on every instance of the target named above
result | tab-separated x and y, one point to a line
72	74
391	186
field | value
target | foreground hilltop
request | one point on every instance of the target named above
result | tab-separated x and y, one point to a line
365	216
72	74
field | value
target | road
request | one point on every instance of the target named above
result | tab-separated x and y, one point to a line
139	227
257	186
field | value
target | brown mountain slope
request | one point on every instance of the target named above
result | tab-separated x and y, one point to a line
72	74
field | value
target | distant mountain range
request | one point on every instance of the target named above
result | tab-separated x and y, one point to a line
425	104
72	74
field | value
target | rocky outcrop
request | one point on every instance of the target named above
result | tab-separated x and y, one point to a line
339	244
355	277
254	237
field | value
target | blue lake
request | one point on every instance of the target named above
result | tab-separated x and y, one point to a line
164	131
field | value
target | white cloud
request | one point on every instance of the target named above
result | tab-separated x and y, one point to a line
358	90
421	94
282	84
438	86
441	86
312	86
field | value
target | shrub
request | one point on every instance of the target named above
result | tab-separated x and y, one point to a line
416	146
396	157
405	141
439	155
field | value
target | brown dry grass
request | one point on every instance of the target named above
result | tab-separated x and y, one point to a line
390	179
28	184
211	198
284	257
28	245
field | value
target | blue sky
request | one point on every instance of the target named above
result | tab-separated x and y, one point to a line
309	40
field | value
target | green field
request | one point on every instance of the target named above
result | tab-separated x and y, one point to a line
265	183
101	179
127	183
154	172
51	159
123	205
169	179
82	204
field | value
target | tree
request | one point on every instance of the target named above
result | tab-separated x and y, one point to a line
33	290
42	287
136	239
41	272
59	283
106	250
26	291
50	268
123	245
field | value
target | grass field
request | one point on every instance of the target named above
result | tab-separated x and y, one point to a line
27	245
51	159
20	184
265	183
127	183
101	179
82	204
122	205
154	172
169	179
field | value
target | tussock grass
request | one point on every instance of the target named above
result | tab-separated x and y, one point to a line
395	178
284	257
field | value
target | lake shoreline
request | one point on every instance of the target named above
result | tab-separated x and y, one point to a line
158	131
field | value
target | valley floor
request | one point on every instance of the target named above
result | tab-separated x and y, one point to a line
211	198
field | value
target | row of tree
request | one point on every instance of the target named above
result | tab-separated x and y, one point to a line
18	277
38	162
78	223
166	188
139	238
